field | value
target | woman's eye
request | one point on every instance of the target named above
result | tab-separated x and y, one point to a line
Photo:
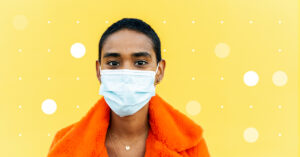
113	63
141	62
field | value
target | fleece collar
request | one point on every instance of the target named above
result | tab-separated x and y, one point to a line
170	132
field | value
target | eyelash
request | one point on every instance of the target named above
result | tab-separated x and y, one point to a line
145	62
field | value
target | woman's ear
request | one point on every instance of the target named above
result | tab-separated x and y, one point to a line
160	71
98	70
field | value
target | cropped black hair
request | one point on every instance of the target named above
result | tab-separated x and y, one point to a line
136	25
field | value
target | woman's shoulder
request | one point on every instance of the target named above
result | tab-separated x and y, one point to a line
60	134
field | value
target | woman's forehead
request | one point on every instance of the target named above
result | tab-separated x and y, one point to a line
127	40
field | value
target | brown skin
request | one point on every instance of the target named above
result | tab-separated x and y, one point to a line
128	129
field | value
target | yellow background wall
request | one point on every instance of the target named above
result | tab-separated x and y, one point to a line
213	49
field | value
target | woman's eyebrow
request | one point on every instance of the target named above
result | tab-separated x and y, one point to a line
141	54
111	54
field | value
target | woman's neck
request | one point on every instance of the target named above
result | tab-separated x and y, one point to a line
131	126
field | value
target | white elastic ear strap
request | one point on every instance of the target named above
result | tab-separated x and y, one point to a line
156	68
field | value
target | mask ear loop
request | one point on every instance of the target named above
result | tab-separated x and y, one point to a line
156	68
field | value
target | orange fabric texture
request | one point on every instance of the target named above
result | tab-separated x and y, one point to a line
171	133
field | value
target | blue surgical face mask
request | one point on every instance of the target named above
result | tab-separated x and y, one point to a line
127	91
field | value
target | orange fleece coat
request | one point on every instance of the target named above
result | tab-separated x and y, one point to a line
171	133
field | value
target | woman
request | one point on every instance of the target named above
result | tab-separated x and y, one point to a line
130	120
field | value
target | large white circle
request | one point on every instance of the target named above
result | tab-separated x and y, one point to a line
20	22
251	78
193	107
77	50
49	106
279	78
222	50
251	135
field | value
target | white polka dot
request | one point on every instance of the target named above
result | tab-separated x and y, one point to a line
222	78
193	107
49	134
279	21
78	50
49	50
193	21
165	50
77	21
251	135
20	134
221	21
49	106
222	106
49	78
279	134
20	50
279	50
49	21
77	106
193	50
106	21
251	78
20	22
279	106
164	21
77	78
251	21
279	78
20	106
222	50
250	106
20	78
193	78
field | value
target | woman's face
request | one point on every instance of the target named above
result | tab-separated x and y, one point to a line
128	49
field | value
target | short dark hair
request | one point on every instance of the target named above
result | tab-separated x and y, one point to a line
136	25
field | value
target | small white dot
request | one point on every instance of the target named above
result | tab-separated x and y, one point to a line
77	106
165	50
221	21
20	50
49	78
49	134
279	22
193	21
20	78
222	78
49	50
222	106
250	106
279	50
20	106
250	21
20	134
49	21
77	21
106	21
279	134
193	50
193	78
164	21
77	78
280	106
